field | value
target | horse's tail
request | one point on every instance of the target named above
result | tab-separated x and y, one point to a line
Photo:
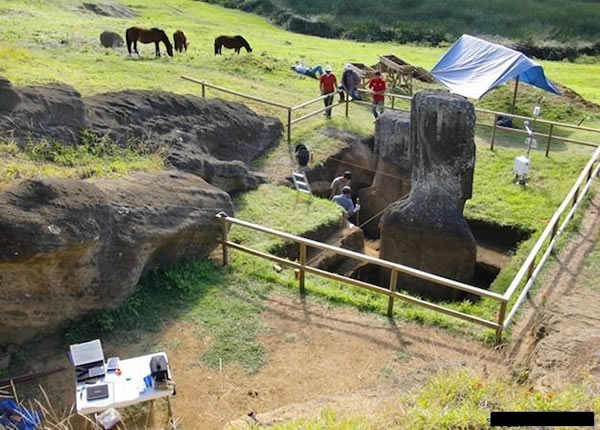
217	44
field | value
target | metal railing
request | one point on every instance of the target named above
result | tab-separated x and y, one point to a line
303	267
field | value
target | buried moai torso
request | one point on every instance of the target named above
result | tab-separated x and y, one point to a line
427	231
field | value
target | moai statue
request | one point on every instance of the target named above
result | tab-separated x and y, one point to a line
427	231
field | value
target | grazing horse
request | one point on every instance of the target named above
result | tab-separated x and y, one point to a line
134	35
235	42
179	41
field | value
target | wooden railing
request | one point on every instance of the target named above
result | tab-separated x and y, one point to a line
528	271
549	137
304	267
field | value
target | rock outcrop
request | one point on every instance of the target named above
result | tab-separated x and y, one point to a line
393	172
427	231
211	138
70	246
110	39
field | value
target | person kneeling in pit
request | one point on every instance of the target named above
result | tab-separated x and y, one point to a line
345	201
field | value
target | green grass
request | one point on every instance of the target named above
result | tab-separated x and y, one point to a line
223	303
456	399
283	209
551	18
92	159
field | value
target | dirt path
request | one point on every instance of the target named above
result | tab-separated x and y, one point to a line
558	336
314	351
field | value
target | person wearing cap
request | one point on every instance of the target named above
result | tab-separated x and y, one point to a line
378	86
350	82
345	201
328	86
339	183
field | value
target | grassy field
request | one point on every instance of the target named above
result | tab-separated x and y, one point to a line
546	19
43	41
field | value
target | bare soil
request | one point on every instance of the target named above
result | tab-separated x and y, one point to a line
558	337
313	351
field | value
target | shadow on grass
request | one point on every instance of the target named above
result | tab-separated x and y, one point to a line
197	291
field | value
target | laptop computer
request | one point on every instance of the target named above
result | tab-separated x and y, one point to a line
88	359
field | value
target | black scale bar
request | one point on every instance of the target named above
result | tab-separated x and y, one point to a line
549	419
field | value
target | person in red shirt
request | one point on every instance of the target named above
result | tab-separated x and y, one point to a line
328	85
378	86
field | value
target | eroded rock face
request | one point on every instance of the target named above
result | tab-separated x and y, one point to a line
70	246
393	172
427	231
211	138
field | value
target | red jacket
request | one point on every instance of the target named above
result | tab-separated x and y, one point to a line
378	84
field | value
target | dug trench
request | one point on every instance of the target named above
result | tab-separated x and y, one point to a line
496	244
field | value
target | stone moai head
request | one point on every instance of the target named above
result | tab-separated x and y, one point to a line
442	146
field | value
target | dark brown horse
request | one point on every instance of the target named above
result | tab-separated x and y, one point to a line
235	42
134	35
180	41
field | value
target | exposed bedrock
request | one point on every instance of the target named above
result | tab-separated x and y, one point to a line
427	230
211	138
70	246
393	168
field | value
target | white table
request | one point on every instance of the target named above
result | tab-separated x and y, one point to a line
125	389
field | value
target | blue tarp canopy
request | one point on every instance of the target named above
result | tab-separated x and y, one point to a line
472	67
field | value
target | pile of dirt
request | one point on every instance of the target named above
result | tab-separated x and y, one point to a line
109	10
211	138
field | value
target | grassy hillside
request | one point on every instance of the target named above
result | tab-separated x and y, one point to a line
541	19
43	41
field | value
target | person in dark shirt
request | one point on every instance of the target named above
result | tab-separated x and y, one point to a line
351	82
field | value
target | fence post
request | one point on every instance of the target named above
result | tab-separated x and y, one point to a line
203	88
576	196
302	265
493	132
393	100
555	228
549	139
530	269
501	315
393	282
347	104
224	232
289	126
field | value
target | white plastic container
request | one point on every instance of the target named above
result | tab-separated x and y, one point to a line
109	418
521	165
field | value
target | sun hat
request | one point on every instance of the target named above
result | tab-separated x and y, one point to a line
328	68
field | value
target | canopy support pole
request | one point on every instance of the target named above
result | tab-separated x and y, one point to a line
514	100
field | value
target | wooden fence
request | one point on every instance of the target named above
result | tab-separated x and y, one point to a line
551	135
527	273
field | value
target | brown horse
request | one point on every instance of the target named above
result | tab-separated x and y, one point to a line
134	35
179	41
235	42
